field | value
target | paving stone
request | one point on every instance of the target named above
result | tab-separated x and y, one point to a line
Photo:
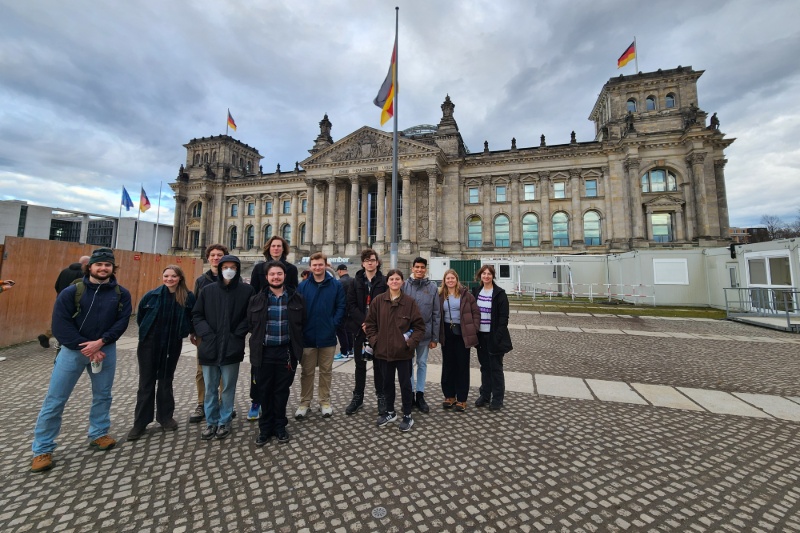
665	396
603	331
614	391
562	386
773	405
722	402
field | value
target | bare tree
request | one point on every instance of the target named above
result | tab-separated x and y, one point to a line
775	226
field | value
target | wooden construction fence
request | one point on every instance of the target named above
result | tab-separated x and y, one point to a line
34	264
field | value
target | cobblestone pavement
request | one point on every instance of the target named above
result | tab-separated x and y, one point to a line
540	464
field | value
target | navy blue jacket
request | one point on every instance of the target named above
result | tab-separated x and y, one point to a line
149	306
324	310
99	317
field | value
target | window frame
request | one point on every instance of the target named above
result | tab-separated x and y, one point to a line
473	198
559	190
529	188
590	190
505	242
497	193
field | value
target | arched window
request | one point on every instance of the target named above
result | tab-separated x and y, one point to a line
560	229
205	157
233	159
302	233
670	101
591	228
214	156
650	103
632	105
474	232
241	162
286	232
197	210
502	232
196	159
249	237
659	180
232	238
530	230
248	166
267	232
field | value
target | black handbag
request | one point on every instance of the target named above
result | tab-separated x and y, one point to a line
455	329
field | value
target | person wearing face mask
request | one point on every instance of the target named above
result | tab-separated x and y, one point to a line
220	323
164	318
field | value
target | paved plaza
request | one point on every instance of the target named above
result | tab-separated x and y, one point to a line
611	423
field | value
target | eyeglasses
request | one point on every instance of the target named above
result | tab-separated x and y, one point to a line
371	260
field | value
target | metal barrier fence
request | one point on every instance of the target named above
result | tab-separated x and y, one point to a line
636	294
767	302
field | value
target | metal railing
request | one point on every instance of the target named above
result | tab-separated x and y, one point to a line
635	294
769	302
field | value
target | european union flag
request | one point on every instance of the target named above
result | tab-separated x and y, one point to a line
126	200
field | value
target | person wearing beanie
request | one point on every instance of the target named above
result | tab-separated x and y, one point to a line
88	318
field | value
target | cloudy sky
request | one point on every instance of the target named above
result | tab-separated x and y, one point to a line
97	95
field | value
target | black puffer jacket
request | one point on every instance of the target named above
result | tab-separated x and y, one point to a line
220	319
499	337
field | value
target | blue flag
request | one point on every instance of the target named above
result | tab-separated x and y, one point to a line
126	200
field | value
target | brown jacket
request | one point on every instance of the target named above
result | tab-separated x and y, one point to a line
470	318
386	323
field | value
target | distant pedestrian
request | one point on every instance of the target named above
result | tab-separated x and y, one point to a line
344	336
394	328
494	340
164	318
64	280
88	318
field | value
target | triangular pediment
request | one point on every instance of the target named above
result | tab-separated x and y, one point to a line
665	200
367	145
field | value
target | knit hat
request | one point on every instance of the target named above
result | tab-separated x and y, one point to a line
102	255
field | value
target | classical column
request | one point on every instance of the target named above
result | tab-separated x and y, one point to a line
405	223
319	219
691	216
365	213
636	230
679	226
276	209
696	161
516	215
259	236
545	224
240	242
486	226
331	218
433	222
722	197
576	227
352	239
204	199
180	206
309	212
380	230
295	235
608	221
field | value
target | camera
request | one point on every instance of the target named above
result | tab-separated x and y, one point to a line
367	352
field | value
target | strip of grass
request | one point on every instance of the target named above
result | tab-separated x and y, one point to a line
615	308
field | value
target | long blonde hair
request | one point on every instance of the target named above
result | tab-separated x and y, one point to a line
444	290
181	291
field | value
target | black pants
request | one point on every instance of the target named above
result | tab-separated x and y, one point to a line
361	369
274	385
493	382
403	371
155	368
455	366
345	339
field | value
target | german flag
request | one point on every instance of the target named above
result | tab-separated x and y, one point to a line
626	56
231	123
385	98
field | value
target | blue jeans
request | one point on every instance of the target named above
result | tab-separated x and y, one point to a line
69	366
419	370
219	404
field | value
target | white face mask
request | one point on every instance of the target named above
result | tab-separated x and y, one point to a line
229	273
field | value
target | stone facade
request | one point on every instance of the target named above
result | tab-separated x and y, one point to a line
652	177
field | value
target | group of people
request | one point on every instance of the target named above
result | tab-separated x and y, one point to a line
388	320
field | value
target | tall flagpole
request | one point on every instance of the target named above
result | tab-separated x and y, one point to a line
226	121
138	213
393	245
158	215
119	218
636	54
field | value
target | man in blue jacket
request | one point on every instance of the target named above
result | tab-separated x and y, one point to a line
88	318
325	302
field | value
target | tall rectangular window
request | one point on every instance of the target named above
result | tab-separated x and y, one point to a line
662	227
591	188
268	208
251	209
500	193
559	189
287	207
530	192
234	210
304	205
474	197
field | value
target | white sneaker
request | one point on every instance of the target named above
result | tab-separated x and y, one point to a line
326	410
301	413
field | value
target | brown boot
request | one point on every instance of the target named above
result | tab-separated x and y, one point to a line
42	462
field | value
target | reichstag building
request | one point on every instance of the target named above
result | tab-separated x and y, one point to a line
652	177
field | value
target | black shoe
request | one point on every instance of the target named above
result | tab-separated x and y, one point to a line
209	433
198	415
43	341
481	401
282	435
355	404
233	414
170	425
422	405
262	440
386	419
406	423
136	433
223	431
495	406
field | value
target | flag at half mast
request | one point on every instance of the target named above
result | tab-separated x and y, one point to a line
385	98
